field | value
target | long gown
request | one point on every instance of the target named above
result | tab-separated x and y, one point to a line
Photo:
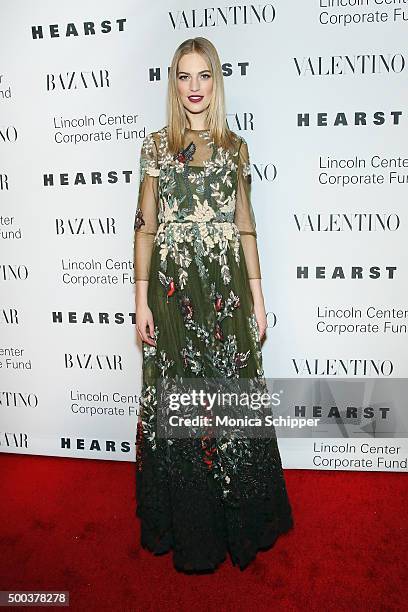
196	244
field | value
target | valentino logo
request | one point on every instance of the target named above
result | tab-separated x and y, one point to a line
87	28
347	222
8	134
11	272
339	65
237	14
71	81
343	367
14	399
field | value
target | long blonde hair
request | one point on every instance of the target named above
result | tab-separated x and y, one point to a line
216	115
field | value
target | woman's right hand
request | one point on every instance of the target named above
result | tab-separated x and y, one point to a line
145	324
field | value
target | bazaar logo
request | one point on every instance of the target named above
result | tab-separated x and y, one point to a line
4	182
71	81
86	28
90	361
86	226
9	316
13	439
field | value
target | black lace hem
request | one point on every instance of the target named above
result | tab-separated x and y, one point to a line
241	539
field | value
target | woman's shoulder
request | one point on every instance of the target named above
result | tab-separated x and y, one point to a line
154	136
157	134
239	138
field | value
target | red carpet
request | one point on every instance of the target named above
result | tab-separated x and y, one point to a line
70	524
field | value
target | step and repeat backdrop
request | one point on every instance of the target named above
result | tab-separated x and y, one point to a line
318	90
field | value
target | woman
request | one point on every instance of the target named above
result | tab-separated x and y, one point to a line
200	313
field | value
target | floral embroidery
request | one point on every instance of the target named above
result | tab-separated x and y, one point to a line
205	328
139	221
147	163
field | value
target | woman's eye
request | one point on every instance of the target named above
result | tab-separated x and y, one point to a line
183	77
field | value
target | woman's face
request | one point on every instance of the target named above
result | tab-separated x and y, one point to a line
195	83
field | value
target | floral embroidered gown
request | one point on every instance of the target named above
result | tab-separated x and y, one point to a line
196	244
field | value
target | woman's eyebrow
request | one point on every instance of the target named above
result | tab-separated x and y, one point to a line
184	71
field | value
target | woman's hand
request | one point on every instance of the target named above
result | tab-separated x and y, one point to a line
260	315
259	305
145	323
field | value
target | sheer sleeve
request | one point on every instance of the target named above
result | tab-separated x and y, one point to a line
146	219
244	214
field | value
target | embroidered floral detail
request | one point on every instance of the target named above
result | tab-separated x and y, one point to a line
147	158
168	283
139	221
204	327
153	171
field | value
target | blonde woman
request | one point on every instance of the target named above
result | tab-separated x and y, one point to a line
200	314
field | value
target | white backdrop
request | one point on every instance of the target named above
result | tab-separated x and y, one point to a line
308	87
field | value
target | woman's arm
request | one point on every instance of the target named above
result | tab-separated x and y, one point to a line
145	226
245	221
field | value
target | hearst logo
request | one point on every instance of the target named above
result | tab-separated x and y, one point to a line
86	28
93	177
111	446
93	318
346	272
358	118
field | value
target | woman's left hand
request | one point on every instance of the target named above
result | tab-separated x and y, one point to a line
260	315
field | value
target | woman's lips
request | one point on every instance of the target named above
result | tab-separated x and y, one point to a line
195	98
